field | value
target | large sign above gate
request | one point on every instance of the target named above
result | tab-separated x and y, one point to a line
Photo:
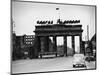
59	21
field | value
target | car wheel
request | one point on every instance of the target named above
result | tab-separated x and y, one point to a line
73	65
83	65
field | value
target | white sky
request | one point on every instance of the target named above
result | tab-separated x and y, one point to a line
25	15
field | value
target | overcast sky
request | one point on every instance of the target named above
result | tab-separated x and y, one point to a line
25	15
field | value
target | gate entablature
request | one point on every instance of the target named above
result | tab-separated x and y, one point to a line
58	30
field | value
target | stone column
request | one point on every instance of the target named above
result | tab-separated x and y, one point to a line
65	45
38	42
54	45
42	44
73	44
80	37
47	43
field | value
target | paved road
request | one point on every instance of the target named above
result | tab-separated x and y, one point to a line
41	65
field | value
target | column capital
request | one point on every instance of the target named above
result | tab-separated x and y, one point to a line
54	35
80	35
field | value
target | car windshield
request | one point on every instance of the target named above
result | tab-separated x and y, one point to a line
78	56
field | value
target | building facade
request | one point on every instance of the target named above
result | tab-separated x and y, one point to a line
22	46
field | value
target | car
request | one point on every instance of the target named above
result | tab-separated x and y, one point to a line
90	58
79	60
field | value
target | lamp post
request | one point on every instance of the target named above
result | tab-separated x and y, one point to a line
58	13
88	33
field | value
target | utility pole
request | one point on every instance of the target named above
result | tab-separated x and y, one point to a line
13	25
88	33
87	36
89	51
87	40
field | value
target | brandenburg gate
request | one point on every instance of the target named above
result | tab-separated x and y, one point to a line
43	32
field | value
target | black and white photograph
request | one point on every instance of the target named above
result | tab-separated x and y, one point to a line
52	37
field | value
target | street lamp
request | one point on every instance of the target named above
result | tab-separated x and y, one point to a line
58	12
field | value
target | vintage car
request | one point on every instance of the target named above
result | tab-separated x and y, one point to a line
79	60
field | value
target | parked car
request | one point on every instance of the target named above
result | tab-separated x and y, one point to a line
79	60
90	58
